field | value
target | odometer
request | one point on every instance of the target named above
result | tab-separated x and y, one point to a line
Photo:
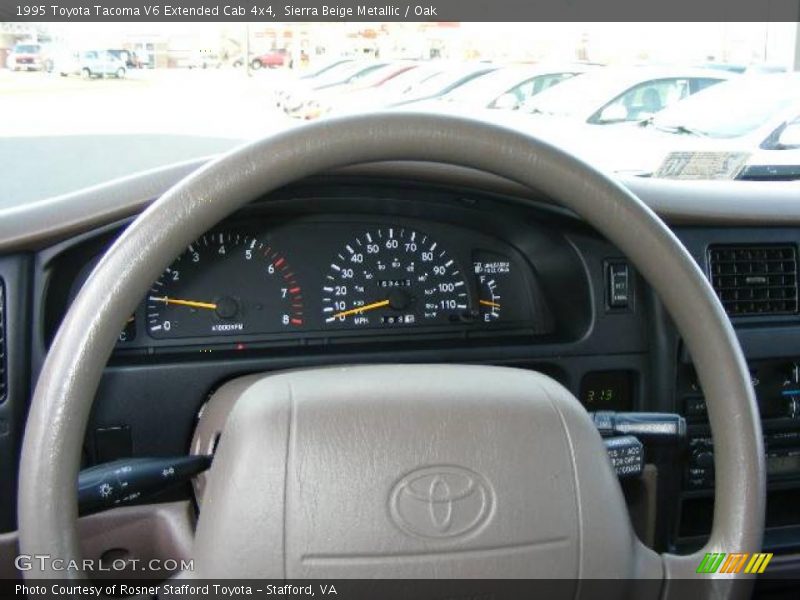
394	277
225	284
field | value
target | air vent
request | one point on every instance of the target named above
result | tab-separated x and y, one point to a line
755	280
3	370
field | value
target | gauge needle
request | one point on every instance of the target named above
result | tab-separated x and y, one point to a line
190	303
487	303
361	309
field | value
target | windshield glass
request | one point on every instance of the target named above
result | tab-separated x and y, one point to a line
405	81
520	85
446	79
579	97
735	108
86	102
345	72
379	75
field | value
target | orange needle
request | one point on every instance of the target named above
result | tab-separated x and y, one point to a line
487	303
361	309
190	303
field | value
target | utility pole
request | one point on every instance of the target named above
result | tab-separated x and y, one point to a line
796	62
246	57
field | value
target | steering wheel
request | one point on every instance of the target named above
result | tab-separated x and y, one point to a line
401	471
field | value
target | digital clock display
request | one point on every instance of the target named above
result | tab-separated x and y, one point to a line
607	390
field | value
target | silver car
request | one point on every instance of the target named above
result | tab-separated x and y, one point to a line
90	64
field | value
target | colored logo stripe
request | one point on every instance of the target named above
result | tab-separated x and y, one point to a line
758	563
722	562
711	562
734	563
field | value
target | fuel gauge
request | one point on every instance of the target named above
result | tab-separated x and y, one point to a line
492	272
488	299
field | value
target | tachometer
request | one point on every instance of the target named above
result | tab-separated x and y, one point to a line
225	283
394	276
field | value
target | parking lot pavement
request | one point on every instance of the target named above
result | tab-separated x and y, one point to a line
59	134
214	102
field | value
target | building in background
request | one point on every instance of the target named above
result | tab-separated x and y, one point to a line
170	45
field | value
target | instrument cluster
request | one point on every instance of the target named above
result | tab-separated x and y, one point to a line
337	276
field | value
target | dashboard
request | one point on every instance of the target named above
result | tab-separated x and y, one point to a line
344	266
359	269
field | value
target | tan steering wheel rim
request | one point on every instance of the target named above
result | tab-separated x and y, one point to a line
69	378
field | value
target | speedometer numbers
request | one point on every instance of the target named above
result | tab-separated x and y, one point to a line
394	276
225	284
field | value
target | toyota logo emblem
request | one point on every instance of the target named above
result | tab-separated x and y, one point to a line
441	502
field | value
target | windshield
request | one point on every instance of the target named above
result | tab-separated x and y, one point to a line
581	96
344	72
86	102
446	80
520	85
379	75
735	108
405	81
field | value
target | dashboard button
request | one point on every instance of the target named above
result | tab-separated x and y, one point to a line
618	283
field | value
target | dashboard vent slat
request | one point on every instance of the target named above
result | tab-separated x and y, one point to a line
3	368
755	280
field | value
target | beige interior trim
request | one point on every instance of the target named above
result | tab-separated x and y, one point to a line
38	224
149	531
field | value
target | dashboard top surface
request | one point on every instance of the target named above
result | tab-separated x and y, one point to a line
38	224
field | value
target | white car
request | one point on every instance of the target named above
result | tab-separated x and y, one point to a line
620	95
511	87
747	128
362	100
90	64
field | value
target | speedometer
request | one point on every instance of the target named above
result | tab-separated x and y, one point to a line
225	283
394	276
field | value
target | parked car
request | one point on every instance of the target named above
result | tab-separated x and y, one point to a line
329	99
510	87
28	57
272	59
91	64
740	68
285	89
364	99
747	128
304	91
620	95
128	57
449	78
318	69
